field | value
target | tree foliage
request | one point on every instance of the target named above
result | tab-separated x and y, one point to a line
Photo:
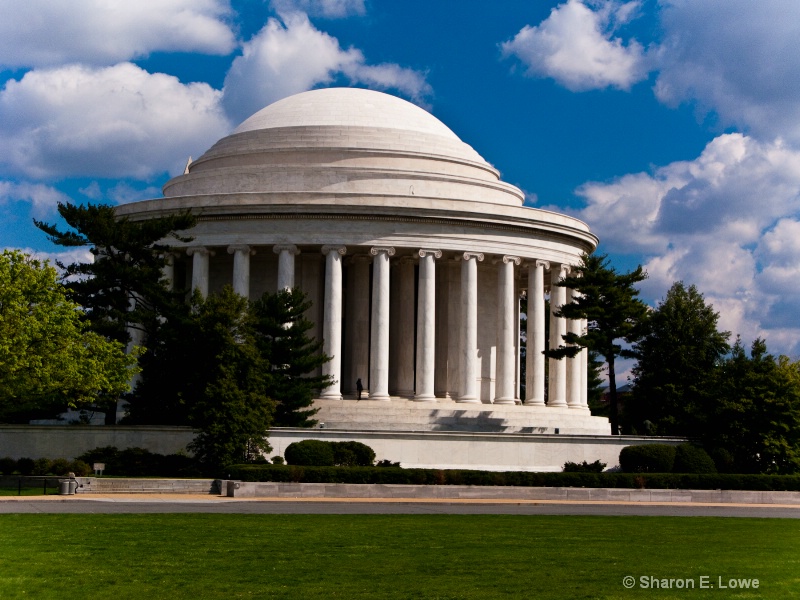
284	342
230	403
680	348
49	361
755	413
123	287
609	302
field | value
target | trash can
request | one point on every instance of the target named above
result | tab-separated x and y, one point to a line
67	487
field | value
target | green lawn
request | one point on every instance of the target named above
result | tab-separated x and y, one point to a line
370	556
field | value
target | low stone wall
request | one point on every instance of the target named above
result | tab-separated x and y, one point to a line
242	489
100	485
70	441
473	450
419	449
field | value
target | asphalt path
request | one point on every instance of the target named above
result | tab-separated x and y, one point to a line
164	503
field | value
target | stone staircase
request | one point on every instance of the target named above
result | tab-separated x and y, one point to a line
401	414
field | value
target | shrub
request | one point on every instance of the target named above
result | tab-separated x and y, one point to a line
352	454
584	467
310	453
59	466
7	465
80	468
41	466
278	460
138	462
25	466
723	460
386	463
647	458
692	459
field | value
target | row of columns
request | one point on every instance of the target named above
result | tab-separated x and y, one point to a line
567	378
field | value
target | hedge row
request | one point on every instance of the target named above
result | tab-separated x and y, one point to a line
393	475
43	466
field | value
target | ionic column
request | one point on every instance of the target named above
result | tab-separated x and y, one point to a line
404	344
358	323
241	269
469	333
426	326
379	332
584	356
506	329
199	256
286	254
558	327
534	357
332	320
573	364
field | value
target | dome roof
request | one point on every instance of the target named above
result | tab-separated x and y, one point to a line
348	107
344	141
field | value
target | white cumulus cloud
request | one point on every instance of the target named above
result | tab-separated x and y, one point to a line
42	198
727	221
329	9
735	58
46	33
289	55
118	121
576	46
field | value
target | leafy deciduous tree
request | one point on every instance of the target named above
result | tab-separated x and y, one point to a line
48	360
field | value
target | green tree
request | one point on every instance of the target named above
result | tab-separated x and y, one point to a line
284	342
49	361
123	287
755	416
608	301
228	402
677	355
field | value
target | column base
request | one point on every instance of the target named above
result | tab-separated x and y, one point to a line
376	397
561	404
425	398
468	400
335	396
504	401
535	402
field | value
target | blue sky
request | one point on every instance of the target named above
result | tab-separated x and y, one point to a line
671	126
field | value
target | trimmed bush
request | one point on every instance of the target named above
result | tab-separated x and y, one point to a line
692	459
25	466
352	454
7	465
647	458
388	475
584	467
41	466
310	453
80	468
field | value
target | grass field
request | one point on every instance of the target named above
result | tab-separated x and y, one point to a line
372	556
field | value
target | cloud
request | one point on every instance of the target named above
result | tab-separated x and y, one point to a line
44	33
118	121
289	55
42	198
735	58
575	46
727	221
329	9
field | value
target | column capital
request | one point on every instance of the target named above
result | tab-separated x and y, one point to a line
240	248
507	258
423	252
201	250
375	250
290	248
342	250
564	269
476	255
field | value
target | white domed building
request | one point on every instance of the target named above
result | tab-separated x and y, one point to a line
413	251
